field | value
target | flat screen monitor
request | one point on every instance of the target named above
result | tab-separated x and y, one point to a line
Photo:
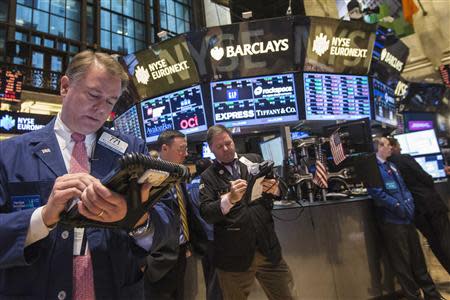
296	135
255	101
419	142
424	97
273	150
128	122
206	151
384	103
10	85
356	135
433	164
336	97
181	110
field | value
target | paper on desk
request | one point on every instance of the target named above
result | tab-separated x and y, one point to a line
257	189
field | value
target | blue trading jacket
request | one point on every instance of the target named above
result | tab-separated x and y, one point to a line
29	165
394	203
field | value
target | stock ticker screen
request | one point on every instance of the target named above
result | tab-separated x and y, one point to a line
384	103
336	97
181	110
128	122
254	101
10	85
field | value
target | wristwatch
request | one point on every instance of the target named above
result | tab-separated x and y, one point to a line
141	229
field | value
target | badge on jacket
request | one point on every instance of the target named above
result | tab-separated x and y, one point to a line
25	202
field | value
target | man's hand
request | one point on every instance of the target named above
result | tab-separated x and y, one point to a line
237	190
270	186
66	188
101	204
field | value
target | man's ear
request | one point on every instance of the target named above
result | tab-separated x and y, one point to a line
65	81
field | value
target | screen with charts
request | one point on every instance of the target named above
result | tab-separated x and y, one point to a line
128	122
206	151
433	164
273	150
336	97
418	142
181	110
254	101
384	103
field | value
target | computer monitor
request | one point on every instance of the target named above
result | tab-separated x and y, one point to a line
356	136
336	97
206	151
424	97
418	142
273	150
384	103
128	122
182	110
255	101
433	164
296	135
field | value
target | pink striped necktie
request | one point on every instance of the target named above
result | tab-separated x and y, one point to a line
83	274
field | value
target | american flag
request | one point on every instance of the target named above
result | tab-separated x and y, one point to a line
321	175
336	148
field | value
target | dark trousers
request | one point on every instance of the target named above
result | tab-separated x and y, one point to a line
407	259
171	285
436	229
275	279
213	291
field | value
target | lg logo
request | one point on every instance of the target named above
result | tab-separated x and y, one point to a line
189	123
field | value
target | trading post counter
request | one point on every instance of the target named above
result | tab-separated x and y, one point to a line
333	250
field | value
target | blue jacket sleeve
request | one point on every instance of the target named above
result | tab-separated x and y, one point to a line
383	199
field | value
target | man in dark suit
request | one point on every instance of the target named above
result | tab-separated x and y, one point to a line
245	243
42	172
431	216
176	237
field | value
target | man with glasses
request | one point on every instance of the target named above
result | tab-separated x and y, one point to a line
174	240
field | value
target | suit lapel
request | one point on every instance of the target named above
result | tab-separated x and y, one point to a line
45	146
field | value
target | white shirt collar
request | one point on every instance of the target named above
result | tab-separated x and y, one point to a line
380	159
64	134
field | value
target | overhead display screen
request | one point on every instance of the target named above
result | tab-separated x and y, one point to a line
254	101
336	97
419	142
433	164
181	110
10	85
128	122
384	103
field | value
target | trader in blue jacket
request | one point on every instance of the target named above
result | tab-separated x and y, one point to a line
395	214
40	258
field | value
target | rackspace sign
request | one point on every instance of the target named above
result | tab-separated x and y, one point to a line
18	123
244	49
339	46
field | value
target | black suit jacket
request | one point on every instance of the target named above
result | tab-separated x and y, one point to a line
245	228
165	247
420	184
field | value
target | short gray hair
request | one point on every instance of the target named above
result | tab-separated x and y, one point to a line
82	61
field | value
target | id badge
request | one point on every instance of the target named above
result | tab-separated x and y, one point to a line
391	186
25	202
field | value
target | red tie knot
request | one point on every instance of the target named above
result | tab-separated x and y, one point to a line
78	137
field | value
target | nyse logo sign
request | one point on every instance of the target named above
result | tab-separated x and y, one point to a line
273	46
339	47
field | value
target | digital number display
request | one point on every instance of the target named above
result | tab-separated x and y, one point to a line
182	110
336	97
255	101
10	85
128	122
